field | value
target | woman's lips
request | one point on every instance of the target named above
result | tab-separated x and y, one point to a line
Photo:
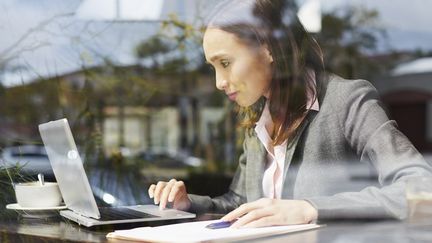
232	96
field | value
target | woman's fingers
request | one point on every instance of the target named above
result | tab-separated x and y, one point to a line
158	191
151	190
252	216
165	193
172	191
246	208
178	187
238	212
179	196
262	222
267	212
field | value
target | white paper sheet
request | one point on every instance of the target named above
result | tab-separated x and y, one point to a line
197	232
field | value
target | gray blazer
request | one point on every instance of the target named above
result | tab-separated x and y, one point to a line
350	127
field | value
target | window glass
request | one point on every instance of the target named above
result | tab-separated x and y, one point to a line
132	79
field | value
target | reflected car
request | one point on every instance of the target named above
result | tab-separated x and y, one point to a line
33	159
167	160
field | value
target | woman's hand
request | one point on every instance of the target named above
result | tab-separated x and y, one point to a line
268	212
173	191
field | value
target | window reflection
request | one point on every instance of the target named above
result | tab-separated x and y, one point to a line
141	99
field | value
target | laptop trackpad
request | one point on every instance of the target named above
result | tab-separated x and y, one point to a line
121	213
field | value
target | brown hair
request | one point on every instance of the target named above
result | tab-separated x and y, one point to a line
296	57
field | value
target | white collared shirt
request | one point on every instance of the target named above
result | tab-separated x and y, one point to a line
273	174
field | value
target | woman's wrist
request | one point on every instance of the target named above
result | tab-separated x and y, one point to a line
311	213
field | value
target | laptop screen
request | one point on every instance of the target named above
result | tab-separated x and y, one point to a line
68	168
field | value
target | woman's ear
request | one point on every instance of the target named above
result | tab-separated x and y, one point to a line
267	53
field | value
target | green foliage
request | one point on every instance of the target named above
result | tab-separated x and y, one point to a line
152	46
9	176
2	89
419	53
348	39
176	48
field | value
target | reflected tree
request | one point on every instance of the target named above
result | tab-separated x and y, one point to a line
349	39
175	51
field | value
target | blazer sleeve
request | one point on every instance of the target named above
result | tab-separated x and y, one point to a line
377	139
227	202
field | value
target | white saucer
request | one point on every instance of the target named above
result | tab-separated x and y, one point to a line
16	206
36	213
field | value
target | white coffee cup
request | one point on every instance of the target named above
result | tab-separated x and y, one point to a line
36	195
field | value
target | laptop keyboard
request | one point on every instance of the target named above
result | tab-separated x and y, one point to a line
122	213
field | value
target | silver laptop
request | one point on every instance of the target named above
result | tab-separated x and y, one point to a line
75	187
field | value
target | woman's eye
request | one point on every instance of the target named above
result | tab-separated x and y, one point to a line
224	63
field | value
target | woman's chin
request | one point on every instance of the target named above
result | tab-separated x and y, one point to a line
247	102
243	104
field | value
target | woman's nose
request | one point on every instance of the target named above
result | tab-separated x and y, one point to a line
221	83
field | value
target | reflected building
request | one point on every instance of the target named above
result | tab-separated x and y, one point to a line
133	109
407	94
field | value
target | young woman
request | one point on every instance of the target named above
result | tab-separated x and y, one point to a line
304	128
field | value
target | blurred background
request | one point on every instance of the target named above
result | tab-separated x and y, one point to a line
130	77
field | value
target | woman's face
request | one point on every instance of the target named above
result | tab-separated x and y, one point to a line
243	71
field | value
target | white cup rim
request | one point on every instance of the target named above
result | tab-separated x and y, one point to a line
35	184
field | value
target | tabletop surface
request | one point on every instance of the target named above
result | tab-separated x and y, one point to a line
16	227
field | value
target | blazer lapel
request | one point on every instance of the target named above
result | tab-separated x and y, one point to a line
254	168
255	164
289	178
